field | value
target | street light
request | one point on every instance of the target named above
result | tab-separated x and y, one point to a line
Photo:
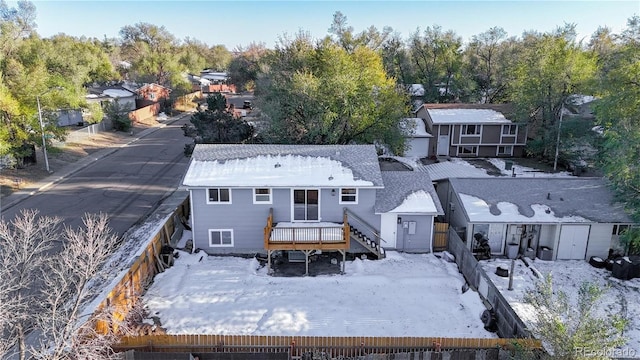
44	141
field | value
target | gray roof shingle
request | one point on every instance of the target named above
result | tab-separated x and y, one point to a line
589	198
400	184
361	159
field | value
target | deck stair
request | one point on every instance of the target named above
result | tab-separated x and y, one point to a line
366	242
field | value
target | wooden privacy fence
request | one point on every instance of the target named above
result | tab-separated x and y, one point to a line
144	113
132	285
440	236
297	345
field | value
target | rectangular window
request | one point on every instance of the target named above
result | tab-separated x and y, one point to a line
262	196
509	129
505	150
221	237
471	129
348	196
219	196
467	150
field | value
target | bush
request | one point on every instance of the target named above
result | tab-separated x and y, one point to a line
119	116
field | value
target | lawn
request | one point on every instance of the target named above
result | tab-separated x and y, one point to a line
401	295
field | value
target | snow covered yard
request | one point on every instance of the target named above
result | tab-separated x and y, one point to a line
401	295
620	297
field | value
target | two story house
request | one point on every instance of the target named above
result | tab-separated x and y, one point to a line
248	199
472	130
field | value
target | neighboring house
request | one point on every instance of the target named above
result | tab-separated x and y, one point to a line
105	94
263	198
215	77
551	218
153	92
472	130
417	138
70	117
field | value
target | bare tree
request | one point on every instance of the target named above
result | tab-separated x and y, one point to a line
25	244
66	331
46	287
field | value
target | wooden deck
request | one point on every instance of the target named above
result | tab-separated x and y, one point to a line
306	236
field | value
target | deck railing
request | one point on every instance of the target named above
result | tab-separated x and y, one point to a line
362	224
306	234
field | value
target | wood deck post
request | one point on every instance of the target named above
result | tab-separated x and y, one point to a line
269	270
306	262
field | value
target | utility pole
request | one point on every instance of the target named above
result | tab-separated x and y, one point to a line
44	142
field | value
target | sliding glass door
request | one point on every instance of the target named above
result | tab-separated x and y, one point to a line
306	205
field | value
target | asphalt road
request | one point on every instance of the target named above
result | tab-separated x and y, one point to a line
127	184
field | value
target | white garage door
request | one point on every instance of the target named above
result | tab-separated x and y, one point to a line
573	242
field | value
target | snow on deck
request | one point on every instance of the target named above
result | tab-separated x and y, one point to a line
417	202
467	116
307	232
287	170
523	171
478	211
401	295
568	276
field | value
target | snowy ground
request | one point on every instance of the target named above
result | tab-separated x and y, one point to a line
401	295
620	297
523	171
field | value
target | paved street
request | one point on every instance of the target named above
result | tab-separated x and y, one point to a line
126	184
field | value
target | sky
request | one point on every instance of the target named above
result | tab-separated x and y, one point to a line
238	23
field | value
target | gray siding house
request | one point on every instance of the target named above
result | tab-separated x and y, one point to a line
472	130
552	218
249	199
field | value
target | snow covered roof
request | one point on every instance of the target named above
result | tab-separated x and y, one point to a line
538	200
467	116
578	99
453	169
215	76
416	90
236	165
417	129
407	192
118	93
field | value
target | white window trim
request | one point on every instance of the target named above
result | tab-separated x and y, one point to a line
340	201
478	126
502	154
509	127
319	205
255	201
459	147
218	202
220	231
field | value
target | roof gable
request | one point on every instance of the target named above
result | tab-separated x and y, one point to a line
407	192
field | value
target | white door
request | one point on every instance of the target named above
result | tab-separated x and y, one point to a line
573	242
443	145
496	238
388	228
